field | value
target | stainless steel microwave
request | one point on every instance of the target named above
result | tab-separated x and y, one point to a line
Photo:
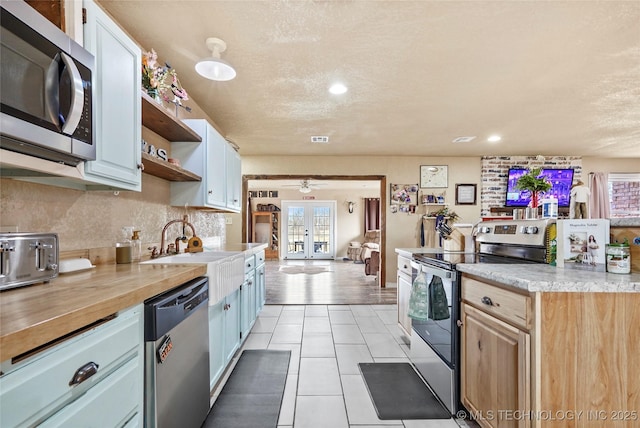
46	91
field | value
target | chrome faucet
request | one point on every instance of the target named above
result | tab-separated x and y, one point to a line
182	238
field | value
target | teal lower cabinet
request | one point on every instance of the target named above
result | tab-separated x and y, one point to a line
248	304
231	318
224	334
217	358
95	378
232	327
260	285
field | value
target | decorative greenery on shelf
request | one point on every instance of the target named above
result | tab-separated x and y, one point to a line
162	81
535	183
445	211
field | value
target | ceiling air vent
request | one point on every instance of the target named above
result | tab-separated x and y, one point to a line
322	139
463	139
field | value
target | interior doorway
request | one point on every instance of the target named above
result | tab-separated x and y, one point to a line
382	186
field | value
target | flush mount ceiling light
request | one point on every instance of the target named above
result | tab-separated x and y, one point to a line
213	67
494	138
463	139
338	88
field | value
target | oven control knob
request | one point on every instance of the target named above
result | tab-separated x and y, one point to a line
532	230
485	229
52	266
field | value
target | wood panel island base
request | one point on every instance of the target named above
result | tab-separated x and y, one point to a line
549	359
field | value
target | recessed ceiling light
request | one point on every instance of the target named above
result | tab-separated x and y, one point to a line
338	88
494	138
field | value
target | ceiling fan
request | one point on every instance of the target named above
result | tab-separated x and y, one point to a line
305	186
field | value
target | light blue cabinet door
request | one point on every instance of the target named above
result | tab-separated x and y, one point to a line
216	170
38	388
245	310
233	178
260	288
232	324
208	160
217	361
250	309
112	402
116	101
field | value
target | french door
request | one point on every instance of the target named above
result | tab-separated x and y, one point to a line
309	229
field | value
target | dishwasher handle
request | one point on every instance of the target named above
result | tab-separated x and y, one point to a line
182	298
162	313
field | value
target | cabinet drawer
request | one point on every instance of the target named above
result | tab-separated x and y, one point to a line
111	403
40	386
249	263
259	258
404	265
507	305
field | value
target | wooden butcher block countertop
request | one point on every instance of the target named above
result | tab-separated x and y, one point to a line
34	315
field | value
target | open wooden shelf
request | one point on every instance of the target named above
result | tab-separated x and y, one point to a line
163	169
159	120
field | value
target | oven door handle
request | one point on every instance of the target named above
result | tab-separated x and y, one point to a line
423	268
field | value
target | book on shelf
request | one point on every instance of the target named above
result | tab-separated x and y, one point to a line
581	244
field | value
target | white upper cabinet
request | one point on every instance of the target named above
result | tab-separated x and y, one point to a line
116	101
213	161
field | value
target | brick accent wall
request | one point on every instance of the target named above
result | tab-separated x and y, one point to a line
625	198
495	170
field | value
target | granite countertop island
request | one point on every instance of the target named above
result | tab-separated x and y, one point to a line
625	222
545	278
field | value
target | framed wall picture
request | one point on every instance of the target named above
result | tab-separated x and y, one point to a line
434	176
466	194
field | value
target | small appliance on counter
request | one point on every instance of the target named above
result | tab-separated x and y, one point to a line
27	258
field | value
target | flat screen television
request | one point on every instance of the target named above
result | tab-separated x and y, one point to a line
561	180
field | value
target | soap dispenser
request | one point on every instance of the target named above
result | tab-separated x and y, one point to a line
136	247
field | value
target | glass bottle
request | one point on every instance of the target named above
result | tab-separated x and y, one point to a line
123	246
136	247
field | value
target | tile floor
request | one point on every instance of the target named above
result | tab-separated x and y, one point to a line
324	387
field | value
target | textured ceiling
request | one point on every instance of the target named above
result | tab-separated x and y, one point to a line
550	77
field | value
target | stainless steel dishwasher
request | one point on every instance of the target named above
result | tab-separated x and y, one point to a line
177	357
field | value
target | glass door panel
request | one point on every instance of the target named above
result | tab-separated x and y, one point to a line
310	229
296	231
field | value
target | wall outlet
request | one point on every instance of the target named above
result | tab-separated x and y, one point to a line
228	220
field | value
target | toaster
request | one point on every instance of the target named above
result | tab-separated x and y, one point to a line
27	258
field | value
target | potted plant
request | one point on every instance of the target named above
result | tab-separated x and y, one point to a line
535	183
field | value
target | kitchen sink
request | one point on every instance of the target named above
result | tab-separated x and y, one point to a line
202	257
225	269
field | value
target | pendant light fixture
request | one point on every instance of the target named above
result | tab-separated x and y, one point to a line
213	67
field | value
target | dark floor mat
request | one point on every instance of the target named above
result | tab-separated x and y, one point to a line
252	395
398	392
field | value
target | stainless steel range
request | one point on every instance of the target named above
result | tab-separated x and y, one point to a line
435	342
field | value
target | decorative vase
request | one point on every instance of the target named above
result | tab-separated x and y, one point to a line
153	93
534	199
